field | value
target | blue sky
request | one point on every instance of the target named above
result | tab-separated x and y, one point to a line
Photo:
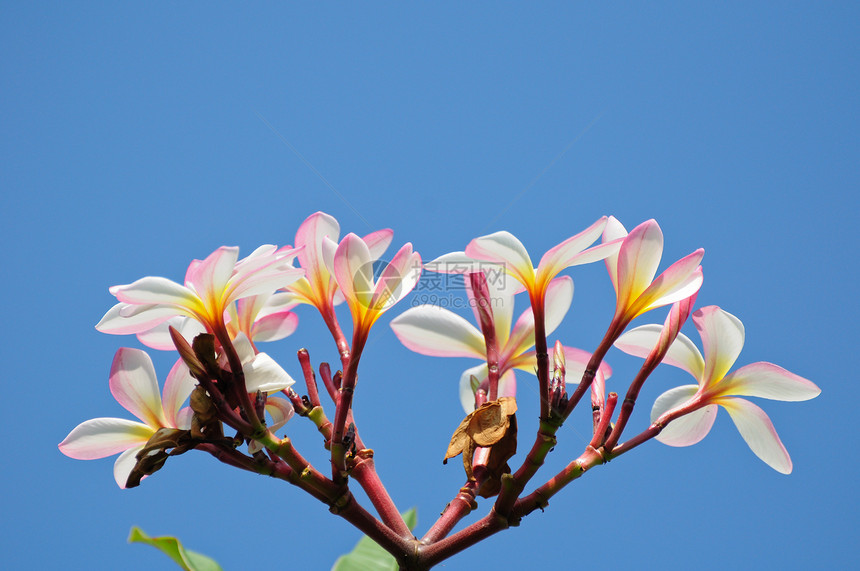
136	138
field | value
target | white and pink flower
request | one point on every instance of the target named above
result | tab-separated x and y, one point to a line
688	412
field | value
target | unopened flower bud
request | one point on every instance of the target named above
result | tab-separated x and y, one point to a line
187	353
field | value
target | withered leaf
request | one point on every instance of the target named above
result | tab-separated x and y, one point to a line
490	422
459	440
492	425
165	442
201	404
497	463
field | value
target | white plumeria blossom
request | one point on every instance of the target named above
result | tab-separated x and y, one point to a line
134	385
505	250
633	267
210	286
369	297
264	318
435	331
316	241
722	339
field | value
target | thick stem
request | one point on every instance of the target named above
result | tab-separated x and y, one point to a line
539	499
630	402
458	508
267	467
225	413
310	377
403	548
601	430
328	381
489	525
658	425
615	329
544	442
541	353
240	390
485	312
330	318
364	472
344	405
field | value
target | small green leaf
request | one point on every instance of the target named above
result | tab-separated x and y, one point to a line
185	558
369	556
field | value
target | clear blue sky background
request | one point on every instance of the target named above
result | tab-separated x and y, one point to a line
137	138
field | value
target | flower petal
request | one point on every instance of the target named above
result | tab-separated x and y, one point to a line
576	360
275	326
758	432
683	353
459	263
467	395
118	321
679	281
212	274
264	258
508	384
397	278
688	429
504	247
101	437
177	389
353	269
501	289
432	330
377	242
125	464
570	252
638	259
614	230
280	410
769	381
262	283
310	235
722	340
159	336
153	290
134	386
263	374
559	296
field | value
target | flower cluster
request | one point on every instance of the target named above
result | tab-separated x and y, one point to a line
226	306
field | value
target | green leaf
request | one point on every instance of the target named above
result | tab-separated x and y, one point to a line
369	556
185	558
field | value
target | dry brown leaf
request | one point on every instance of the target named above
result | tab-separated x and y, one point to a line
459	440
492	425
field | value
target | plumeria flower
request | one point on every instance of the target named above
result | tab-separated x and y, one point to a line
690	410
134	385
633	267
505	249
211	286
435	331
318	286
265	318
370	297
